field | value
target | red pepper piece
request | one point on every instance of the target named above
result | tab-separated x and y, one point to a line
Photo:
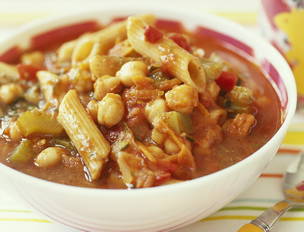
227	80
169	25
28	72
153	35
62	34
181	41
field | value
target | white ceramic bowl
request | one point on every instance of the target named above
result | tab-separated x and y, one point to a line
166	207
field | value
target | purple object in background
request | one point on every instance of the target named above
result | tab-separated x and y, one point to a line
280	22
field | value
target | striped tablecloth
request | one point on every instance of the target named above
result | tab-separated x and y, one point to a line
16	216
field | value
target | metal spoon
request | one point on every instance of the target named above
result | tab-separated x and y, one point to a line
293	189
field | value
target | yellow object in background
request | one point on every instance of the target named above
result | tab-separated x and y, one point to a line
292	24
250	228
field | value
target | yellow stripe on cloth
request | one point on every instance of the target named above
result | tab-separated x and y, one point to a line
294	138
16	19
24	220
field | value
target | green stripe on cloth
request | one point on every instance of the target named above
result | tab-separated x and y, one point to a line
240	217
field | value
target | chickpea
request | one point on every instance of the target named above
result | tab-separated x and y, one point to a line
170	147
110	110
154	110
132	69
182	98
33	58
213	89
92	108
8	73
32	95
104	85
80	79
49	157
10	92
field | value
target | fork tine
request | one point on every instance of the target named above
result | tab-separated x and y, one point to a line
301	162
296	175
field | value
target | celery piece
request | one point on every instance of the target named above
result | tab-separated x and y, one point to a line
212	69
241	96
22	153
179	122
37	122
124	140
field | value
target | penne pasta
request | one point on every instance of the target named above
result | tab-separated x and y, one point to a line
97	43
87	138
109	36
66	50
176	60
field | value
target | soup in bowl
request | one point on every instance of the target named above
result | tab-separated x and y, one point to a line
169	113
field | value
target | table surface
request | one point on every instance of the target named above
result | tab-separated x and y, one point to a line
16	216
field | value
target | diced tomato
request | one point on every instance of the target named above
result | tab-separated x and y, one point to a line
181	41
226	81
62	34
11	55
153	35
169	25
28	72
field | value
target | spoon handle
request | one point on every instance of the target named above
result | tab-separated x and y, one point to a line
267	219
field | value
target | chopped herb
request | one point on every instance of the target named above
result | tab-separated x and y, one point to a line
227	103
